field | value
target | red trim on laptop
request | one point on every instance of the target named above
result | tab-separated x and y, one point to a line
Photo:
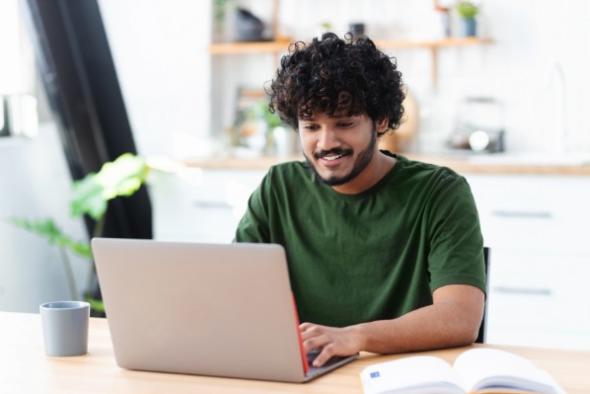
303	355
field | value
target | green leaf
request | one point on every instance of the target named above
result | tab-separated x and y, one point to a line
47	228
260	110
81	249
467	9
272	120
121	177
88	198
95	304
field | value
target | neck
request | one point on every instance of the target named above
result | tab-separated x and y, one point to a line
379	166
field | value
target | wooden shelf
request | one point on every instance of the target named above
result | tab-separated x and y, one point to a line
273	47
281	45
433	44
238	48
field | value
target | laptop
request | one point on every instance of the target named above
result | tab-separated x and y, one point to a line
205	309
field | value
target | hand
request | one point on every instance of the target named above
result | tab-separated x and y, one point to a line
332	341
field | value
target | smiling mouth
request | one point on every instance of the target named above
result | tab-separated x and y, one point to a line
333	157
333	161
333	154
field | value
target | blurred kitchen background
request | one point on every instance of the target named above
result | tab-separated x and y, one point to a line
498	90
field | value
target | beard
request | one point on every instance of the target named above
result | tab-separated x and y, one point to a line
361	162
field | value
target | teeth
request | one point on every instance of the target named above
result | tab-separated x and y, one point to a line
333	157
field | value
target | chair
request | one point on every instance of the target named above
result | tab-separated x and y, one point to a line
482	328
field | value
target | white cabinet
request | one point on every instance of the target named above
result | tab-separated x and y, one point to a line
538	230
201	206
539	300
543	213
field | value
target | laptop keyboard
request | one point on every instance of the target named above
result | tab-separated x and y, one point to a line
314	353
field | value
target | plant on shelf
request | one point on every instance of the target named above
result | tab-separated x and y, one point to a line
119	178
222	11
271	121
468	10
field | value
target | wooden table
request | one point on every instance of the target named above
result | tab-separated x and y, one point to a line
24	368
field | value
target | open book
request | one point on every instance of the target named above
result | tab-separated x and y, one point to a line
474	371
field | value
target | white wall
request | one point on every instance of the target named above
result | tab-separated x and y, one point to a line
35	183
11	79
534	39
160	52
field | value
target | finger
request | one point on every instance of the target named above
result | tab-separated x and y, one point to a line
326	353
312	332
308	326
315	343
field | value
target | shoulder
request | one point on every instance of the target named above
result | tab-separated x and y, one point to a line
443	191
427	169
285	178
428	175
291	172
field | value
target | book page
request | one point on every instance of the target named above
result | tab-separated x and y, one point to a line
411	375
482	369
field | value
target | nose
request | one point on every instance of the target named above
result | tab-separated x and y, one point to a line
327	139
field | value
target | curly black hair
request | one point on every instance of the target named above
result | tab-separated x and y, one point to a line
337	77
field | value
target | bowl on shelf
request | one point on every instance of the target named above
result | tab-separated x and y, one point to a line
248	27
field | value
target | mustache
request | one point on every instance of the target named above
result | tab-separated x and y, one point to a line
335	151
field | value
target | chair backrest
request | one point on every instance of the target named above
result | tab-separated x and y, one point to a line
481	336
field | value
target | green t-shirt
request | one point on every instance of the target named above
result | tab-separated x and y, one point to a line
374	255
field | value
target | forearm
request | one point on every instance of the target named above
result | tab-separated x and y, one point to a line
452	320
431	327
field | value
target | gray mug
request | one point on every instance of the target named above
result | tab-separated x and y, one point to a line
65	327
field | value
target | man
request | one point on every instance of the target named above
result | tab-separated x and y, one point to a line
385	254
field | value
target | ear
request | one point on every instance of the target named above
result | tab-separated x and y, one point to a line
382	125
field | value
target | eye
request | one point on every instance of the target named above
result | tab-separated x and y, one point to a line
345	125
310	127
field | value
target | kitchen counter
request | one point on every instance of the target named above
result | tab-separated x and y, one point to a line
500	164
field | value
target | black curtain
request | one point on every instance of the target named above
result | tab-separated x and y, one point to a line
83	91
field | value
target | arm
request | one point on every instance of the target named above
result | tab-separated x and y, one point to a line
455	265
452	320
254	226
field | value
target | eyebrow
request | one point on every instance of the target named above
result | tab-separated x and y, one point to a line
337	118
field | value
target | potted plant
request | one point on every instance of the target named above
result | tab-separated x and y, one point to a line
468	10
119	178
271	121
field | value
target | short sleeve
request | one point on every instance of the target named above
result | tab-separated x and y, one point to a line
456	244
254	226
